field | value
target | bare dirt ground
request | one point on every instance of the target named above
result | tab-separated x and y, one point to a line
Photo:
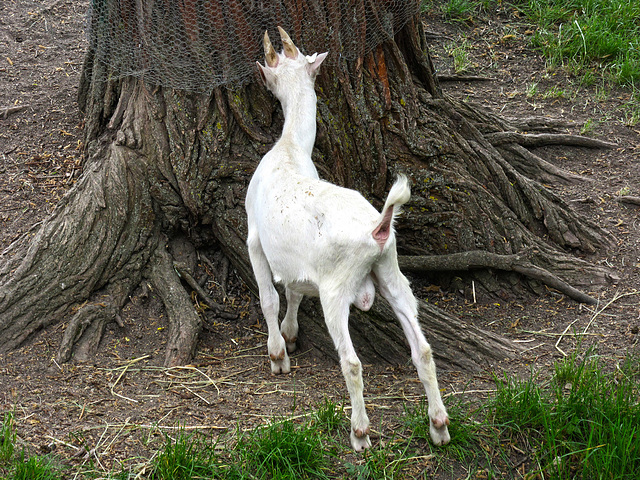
114	409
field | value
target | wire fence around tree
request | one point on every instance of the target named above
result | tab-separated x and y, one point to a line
196	45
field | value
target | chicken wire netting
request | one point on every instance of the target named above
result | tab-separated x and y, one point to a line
196	45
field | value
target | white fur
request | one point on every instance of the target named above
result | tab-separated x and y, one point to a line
318	239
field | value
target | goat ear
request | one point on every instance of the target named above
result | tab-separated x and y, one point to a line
315	61
264	72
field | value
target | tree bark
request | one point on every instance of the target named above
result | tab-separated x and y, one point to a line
164	163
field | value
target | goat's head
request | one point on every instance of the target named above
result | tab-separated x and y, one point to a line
288	70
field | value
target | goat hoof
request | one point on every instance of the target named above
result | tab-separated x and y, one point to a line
280	366
360	441
280	356
439	431
291	345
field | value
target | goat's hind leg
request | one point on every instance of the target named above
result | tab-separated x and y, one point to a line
395	287
289	327
336	315
270	304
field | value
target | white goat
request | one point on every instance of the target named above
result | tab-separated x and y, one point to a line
323	240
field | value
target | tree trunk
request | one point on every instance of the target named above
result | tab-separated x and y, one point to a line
165	163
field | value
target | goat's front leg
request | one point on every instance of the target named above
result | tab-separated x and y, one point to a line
289	327
336	315
396	289
270	304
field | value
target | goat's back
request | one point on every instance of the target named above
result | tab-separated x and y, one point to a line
308	227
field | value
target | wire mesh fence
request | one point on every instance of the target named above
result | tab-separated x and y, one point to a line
196	45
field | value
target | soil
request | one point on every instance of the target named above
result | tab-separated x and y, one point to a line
116	409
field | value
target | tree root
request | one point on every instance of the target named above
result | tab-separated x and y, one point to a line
629	200
464	78
530	163
211	303
184	322
83	334
546	139
378	337
84	331
536	124
488	122
479	259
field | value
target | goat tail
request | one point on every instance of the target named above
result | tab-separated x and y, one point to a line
398	195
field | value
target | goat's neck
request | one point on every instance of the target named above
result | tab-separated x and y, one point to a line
300	119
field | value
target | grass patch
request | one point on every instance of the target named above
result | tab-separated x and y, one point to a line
460	9
631	109
15	466
389	461
460	54
284	450
186	457
585	423
330	418
36	468
588	35
7	438
18	466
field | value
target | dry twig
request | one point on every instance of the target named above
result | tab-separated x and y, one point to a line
124	370
6	111
597	313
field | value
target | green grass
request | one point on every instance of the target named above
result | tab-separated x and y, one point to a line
632	109
460	54
36	468
461	9
588	35
185	457
330	418
7	438
285	450
589	38
585	423
15	466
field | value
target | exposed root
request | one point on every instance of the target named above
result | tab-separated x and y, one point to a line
479	259
546	139
629	200
85	331
530	163
514	145
536	124
211	303
488	122
184	321
464	78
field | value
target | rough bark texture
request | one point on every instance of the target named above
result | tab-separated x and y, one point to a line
163	164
